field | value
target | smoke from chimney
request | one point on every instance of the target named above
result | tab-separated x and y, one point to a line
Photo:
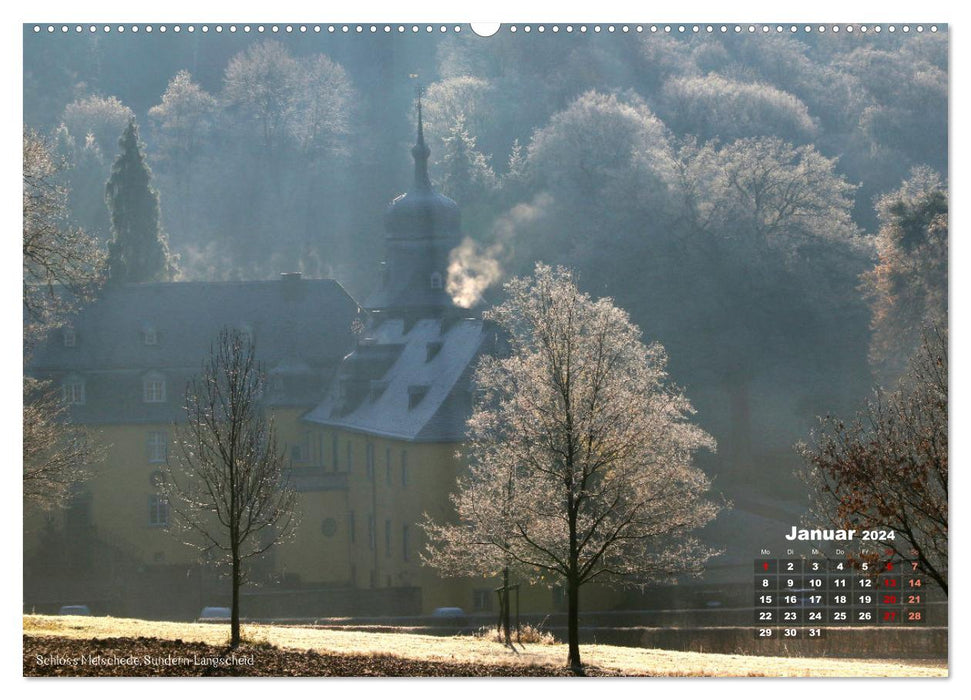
472	269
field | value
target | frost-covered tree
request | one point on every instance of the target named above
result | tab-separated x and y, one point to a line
715	106
62	269
471	99
512	184
105	118
766	193
138	251
62	265
607	150
907	97
605	164
765	255
87	137
261	83
907	287
580	453
57	454
184	118
466	175
323	110
516	166
287	123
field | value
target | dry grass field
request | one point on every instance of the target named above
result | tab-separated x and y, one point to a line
612	660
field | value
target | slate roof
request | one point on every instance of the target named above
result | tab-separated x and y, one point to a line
301	329
408	381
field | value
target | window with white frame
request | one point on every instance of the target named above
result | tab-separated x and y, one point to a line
72	390
158	510
158	446
153	388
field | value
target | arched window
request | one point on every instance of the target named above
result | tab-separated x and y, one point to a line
153	388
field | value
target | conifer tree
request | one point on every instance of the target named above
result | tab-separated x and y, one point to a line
466	173
138	251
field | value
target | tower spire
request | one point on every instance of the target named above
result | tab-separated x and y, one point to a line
420	153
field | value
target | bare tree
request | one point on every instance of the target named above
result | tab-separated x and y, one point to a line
230	493
887	468
56	453
580	454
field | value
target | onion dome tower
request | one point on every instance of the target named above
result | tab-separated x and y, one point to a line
421	229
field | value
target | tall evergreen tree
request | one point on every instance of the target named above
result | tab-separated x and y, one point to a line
138	251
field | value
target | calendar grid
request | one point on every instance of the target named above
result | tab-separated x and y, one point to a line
801	598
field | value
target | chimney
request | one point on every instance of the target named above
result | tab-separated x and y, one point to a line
293	289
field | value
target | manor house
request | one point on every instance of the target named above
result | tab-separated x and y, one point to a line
369	399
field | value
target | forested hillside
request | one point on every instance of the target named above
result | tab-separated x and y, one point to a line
739	193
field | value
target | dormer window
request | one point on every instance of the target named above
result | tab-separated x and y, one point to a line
432	349
416	392
153	388
70	337
72	391
436	280
150	335
377	388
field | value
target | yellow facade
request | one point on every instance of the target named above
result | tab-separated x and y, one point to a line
121	496
361	531
366	531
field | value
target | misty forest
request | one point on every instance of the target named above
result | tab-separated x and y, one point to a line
770	207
